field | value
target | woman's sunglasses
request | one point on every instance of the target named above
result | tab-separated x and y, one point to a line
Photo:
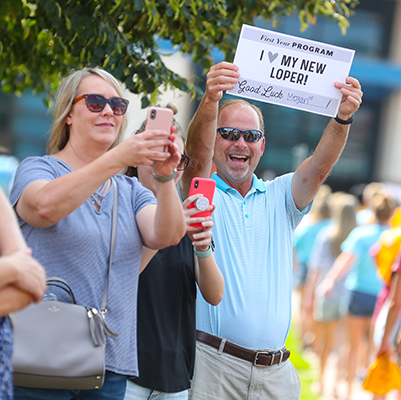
250	135
184	162
97	102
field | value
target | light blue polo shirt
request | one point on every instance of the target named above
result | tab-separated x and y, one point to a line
253	237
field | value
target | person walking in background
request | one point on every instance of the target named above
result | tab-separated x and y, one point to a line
366	214
386	336
64	203
22	281
254	224
391	339
384	255
362	281
328	310
167	298
304	238
8	166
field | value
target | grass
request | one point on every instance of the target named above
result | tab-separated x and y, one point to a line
306	371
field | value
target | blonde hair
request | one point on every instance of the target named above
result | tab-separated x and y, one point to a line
66	93
244	103
321	208
370	190
344	208
324	191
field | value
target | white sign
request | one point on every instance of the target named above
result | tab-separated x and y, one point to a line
290	71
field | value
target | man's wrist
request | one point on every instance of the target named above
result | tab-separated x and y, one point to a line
344	121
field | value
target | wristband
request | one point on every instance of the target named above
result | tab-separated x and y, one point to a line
163	179
203	254
343	121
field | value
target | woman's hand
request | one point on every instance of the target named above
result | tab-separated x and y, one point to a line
166	167
30	275
384	348
23	280
201	237
144	148
326	287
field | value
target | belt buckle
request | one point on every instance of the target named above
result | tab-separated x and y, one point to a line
267	353
281	356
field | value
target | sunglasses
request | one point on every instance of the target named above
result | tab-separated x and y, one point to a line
250	135
97	102
184	162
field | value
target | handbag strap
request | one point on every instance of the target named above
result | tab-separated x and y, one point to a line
103	309
62	284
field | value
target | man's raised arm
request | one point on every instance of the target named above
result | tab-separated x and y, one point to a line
202	128
314	170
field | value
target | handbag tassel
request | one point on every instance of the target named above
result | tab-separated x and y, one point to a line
98	328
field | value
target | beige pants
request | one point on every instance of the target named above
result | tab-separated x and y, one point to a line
224	377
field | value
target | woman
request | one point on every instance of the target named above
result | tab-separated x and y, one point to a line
22	280
166	301
390	343
304	238
392	326
64	202
362	280
328	310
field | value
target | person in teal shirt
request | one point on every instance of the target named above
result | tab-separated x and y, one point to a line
362	280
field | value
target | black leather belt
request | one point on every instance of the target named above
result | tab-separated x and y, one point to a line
259	358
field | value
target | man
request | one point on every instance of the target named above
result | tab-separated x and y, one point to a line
240	347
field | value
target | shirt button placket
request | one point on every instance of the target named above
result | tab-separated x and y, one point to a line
245	214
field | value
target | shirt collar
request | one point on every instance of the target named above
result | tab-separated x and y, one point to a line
257	184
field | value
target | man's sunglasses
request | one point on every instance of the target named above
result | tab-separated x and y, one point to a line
184	162
97	102
250	135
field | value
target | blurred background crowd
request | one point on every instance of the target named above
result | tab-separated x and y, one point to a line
346	277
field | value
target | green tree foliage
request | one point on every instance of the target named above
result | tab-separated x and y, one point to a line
41	41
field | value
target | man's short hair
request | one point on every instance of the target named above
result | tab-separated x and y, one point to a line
244	103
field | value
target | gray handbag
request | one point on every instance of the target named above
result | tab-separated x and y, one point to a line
61	345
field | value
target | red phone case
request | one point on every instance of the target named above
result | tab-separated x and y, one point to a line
159	118
205	187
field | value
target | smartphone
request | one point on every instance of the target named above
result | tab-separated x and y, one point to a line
159	118
205	187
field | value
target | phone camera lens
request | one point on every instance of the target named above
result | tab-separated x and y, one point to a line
153	114
196	184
